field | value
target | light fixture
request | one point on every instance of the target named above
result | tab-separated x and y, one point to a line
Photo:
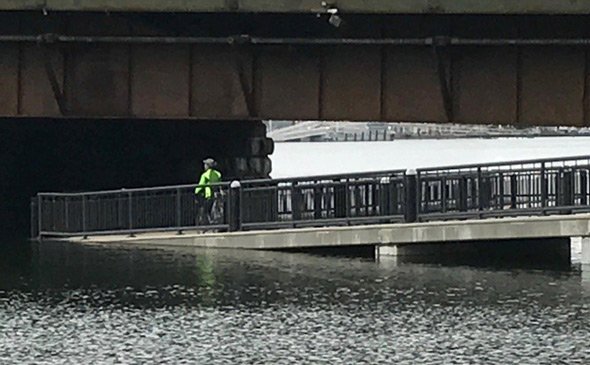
331	9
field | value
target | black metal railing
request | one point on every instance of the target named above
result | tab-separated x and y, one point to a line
550	186
315	201
123	211
532	187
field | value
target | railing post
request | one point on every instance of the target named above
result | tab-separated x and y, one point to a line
425	187
317	202
583	187
384	186
40	216
500	192
67	214
411	201
543	186
130	213
33	221
462	203
443	194
356	193
394	197
84	218
52	215
274	203
473	201
479	190
120	211
513	191
487	189
235	223
482	191
295	202
566	188
347	201
570	178
178	210
339	200
374	199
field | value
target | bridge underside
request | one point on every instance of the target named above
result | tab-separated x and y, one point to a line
307	6
520	70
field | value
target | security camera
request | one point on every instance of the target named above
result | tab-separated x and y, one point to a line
335	20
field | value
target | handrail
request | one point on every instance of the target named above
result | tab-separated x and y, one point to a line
135	190
506	163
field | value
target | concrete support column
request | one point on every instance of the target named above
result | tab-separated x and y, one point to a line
585	261
387	256
390	250
585	258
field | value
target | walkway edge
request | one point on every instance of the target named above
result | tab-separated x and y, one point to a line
383	234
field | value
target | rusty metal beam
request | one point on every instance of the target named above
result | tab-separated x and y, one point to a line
308	6
428	41
242	81
215	40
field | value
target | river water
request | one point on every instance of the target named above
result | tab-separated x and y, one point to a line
66	303
88	304
309	158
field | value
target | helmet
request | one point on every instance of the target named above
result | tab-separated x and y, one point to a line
209	161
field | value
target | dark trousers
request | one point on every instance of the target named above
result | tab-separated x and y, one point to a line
204	210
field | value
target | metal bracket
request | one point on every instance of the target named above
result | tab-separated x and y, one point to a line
52	76
439	46
246	85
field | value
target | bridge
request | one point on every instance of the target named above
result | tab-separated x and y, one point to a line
98	94
307	6
534	201
501	62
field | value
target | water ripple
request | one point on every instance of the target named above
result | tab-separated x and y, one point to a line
207	307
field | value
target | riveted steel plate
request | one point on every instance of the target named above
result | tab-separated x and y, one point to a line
552	86
9	79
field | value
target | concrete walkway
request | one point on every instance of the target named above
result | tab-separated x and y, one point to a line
379	235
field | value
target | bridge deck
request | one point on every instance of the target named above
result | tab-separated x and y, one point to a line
308	6
385	234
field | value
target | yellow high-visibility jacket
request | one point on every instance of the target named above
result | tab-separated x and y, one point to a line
211	176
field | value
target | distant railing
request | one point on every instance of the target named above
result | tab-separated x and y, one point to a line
532	187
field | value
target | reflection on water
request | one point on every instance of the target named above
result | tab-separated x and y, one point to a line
89	304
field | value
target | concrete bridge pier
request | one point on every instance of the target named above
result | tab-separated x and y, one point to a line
582	245
585	256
